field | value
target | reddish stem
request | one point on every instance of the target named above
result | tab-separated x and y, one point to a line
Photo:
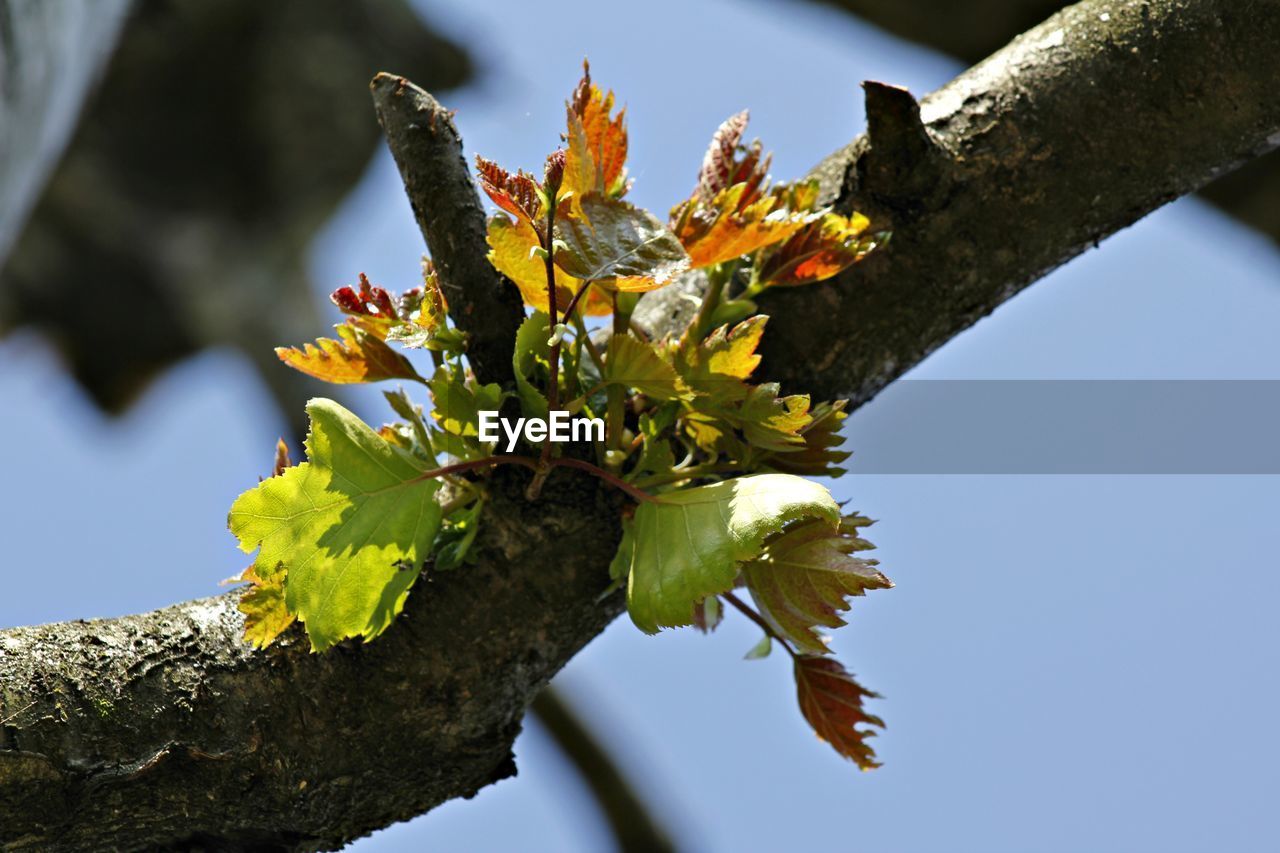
536	465
758	619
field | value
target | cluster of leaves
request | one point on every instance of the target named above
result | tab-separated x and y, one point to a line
716	465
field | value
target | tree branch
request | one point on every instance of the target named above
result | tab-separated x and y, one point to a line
971	29
163	730
1077	129
428	150
634	827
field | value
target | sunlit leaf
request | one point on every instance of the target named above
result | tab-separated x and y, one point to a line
769	421
619	245
265	615
356	356
371	308
517	194
717	365
688	545
351	526
817	252
633	363
832	703
510	245
425	314
735	223
597	154
728	162
456	405
532	363
820	454
804	576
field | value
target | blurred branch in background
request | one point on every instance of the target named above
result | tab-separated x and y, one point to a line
224	135
971	30
51	54
634	827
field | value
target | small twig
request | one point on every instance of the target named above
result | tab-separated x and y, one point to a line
428	150
759	620
536	465
610	478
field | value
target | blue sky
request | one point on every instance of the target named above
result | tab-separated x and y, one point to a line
1068	662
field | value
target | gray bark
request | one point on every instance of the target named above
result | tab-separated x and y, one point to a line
971	29
162	730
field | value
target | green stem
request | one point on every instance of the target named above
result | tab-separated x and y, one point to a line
616	394
717	277
594	351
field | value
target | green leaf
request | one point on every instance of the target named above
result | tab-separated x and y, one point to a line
760	649
717	366
456	405
632	363
532	360
350	526
457	536
770	422
656	456
612	240
804	576
820	455
688	544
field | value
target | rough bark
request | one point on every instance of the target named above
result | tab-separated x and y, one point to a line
428	150
161	729
972	29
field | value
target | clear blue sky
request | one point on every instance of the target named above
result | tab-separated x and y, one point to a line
1069	662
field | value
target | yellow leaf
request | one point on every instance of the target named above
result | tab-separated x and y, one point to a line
510	251
718	365
265	614
357	356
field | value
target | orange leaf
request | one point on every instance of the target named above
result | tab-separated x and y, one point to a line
282	459
604	136
728	226
357	356
831	701
818	251
510	242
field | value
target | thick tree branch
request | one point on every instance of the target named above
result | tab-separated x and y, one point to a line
1077	129
971	29
161	729
428	150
